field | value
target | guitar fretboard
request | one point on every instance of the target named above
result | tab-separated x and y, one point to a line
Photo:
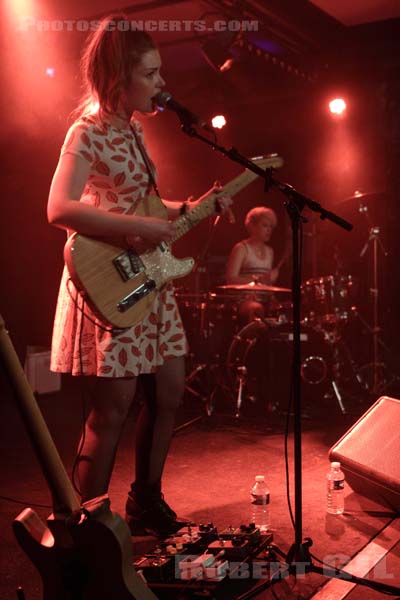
207	207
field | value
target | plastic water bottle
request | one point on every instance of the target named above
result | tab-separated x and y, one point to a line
335	490
260	498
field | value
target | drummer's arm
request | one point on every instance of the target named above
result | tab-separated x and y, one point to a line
269	277
234	265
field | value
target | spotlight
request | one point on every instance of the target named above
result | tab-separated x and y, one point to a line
218	122
337	106
217	50
50	71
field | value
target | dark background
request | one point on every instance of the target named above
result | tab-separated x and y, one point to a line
275	100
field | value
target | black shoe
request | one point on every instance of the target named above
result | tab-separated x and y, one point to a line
151	515
168	508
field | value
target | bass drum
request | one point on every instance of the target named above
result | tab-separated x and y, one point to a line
262	354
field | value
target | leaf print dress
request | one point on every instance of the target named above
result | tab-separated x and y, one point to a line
117	182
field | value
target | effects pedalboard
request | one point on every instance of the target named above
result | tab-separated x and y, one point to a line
199	559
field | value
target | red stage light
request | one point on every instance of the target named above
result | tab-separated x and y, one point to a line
337	106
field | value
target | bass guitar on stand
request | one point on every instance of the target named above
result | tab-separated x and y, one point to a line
83	552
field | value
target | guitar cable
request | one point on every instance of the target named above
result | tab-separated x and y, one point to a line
75	472
25	502
81	309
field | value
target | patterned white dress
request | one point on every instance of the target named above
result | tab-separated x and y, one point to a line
117	182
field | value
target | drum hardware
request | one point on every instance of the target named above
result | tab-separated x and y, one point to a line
204	393
328	300
378	368
242	377
220	351
192	375
338	396
387	377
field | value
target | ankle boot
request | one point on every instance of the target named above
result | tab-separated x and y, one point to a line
150	514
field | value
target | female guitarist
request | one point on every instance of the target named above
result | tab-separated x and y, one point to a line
103	176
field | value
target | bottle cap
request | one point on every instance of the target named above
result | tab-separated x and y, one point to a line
335	465
259	477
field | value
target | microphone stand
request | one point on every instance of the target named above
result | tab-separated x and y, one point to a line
201	257
298	559
204	332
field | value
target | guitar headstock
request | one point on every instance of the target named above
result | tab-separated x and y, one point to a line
268	161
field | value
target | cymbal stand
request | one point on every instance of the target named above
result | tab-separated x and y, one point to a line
341	357
374	233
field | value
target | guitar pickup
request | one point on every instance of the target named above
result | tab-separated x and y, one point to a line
128	264
136	295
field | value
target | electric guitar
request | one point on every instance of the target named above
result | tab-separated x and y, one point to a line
120	284
80	554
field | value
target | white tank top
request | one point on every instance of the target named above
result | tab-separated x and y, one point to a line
253	264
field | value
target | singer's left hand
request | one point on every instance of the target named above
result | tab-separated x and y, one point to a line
223	203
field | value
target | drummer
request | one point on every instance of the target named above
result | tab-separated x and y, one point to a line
252	260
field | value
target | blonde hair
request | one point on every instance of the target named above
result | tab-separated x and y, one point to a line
107	61
257	213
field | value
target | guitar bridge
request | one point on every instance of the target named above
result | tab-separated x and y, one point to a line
136	295
128	264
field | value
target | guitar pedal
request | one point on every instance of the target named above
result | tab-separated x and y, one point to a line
156	568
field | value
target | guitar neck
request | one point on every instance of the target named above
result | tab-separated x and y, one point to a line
64	499
207	207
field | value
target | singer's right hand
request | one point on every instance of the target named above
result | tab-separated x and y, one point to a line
155	230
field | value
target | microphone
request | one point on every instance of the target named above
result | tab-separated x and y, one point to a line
165	100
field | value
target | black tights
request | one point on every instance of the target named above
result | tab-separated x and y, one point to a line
154	430
111	400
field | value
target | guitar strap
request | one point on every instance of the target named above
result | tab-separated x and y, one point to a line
147	162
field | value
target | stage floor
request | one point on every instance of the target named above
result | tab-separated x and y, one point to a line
209	472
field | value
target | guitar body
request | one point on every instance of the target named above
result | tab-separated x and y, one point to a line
83	553
37	542
87	561
120	283
91	264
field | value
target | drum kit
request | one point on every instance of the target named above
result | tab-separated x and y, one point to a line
247	355
241	336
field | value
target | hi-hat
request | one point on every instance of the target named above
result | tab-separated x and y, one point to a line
253	286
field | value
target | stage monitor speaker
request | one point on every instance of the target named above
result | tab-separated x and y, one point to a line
369	453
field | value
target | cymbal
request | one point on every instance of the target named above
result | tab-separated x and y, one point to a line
253	286
363	195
